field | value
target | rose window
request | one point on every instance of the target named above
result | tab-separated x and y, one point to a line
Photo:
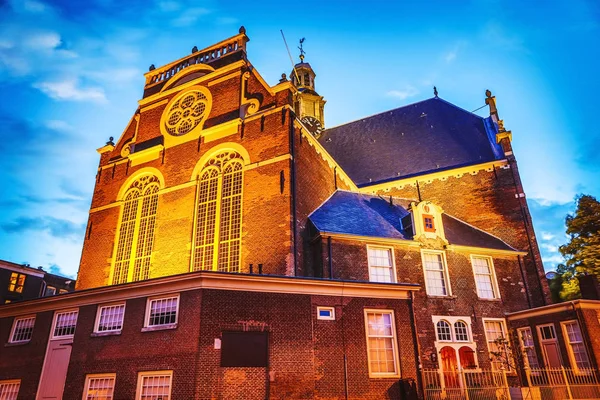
186	113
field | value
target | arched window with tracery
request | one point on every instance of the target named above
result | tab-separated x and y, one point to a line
135	236
461	332
444	333
218	230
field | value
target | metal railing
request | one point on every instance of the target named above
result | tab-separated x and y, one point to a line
467	384
563	383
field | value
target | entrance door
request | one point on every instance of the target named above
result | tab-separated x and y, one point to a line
549	344
449	367
58	354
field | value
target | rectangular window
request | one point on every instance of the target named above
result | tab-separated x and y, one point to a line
528	348
162	311
381	265
50	291
326	313
22	330
485	278
495	334
575	346
9	389
382	351
428	223
99	387
110	318
17	282
64	324
154	385
436	273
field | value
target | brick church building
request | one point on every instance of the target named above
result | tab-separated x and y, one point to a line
236	249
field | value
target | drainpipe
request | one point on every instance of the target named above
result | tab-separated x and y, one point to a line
330	261
524	277
416	340
292	133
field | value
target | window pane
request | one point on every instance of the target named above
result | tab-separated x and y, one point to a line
461	331
381	343
494	330
163	311
111	318
528	347
435	277
575	340
23	330
100	388
380	265
484	277
9	390
443	331
65	324
155	387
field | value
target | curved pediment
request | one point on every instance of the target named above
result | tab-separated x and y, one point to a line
187	74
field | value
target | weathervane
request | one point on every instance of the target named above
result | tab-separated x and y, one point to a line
302	52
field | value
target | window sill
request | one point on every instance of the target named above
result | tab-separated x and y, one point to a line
159	327
395	377
431	296
101	334
9	344
492	300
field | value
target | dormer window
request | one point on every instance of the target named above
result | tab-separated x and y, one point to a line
428	225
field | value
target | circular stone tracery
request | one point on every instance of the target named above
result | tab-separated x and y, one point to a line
186	112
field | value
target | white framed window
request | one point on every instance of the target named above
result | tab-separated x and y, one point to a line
109	318
485	277
444	332
461	331
99	386
64	324
381	264
436	273
22	330
382	348
496	334
549	345
154	385
575	346
9	389
528	347
326	313
162	311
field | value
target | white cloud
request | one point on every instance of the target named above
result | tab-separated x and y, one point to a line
450	56
547	236
549	247
43	41
58	125
34	6
190	16
69	90
408	91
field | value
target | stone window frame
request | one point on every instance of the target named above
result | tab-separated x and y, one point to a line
390	250
446	273
101	307
13	330
53	332
88	379
331	317
504	328
524	347
147	374
172	325
569	346
394	337
493	277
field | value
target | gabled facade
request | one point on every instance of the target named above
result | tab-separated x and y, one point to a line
279	259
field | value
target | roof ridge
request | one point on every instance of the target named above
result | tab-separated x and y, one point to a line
480	230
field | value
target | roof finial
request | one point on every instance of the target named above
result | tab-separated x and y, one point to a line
302	52
110	141
435	92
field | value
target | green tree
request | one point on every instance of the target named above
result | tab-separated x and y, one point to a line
582	252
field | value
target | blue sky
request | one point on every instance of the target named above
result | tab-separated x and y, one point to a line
71	75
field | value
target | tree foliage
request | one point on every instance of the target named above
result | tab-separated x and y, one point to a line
582	252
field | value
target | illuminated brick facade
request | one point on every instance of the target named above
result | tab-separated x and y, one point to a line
222	193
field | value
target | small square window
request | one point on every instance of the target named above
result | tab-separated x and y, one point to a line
99	387
428	224
50	291
326	313
162	312
22	330
17	282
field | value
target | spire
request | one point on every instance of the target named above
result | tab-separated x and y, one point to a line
435	92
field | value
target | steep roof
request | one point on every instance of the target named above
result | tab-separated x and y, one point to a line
368	215
423	137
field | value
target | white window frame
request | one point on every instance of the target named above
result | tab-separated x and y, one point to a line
149	301
143	374
99	313
393	266
396	373
450	327
55	320
493	277
523	349
89	377
573	362
330	309
504	335
446	273
11	338
10	382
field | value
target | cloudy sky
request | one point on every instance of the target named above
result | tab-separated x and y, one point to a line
71	75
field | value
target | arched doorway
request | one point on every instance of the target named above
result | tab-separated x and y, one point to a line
466	355
449	366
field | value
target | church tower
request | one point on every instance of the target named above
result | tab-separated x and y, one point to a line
308	104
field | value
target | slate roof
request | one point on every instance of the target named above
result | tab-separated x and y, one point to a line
423	137
367	215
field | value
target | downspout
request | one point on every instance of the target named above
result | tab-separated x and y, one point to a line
416	341
524	277
329	255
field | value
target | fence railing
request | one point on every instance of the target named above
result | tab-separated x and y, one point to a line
563	383
541	384
465	384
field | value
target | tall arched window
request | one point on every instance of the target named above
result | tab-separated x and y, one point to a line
136	231
219	214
